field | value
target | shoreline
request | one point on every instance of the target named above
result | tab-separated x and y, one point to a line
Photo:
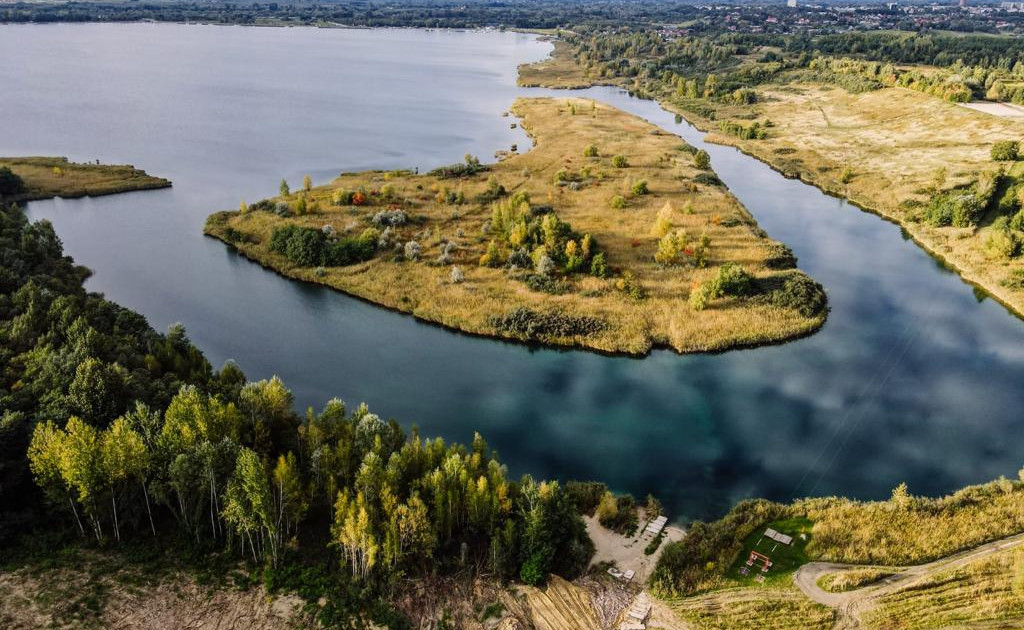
531	344
966	275
634	329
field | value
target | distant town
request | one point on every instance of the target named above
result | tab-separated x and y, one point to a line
678	18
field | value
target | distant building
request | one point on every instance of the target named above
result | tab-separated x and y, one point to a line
1012	6
791	4
963	4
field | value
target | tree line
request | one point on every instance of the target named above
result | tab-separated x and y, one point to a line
124	434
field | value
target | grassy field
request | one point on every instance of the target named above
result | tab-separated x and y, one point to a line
852	579
559	71
910	530
753	608
987	593
890	151
449	221
47	177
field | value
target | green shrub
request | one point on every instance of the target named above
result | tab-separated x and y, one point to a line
590	151
618	202
754	132
1002	242
640	188
654	544
630	285
620	161
702	160
546	284
585	495
730	281
1015	280
526	323
803	295
958	208
598	266
618	513
469	166
780	256
1005	151
708	179
309	247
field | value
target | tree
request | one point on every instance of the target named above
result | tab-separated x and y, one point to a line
124	459
267	408
82	469
702	160
248	507
663	223
607	509
353	533
284	189
97	392
289	496
10	183
307	183
243	208
671	247
46	456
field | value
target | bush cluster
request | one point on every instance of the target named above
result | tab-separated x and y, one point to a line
618	513
309	247
526	323
1005	151
469	166
730	281
803	295
780	256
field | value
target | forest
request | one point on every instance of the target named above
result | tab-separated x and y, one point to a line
122	435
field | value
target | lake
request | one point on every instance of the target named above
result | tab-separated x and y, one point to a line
915	377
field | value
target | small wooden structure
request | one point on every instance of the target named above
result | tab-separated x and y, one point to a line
778	536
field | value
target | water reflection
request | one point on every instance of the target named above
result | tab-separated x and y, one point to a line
912	378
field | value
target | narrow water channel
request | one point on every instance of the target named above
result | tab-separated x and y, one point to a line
914	377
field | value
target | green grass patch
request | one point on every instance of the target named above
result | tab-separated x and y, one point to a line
785	558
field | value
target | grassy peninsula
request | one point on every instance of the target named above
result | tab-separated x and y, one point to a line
46	177
609	234
918	160
934	148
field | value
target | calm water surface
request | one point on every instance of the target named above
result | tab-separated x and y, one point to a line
913	378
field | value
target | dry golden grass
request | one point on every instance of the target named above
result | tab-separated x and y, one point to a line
559	71
664	318
753	608
985	593
851	579
894	141
47	177
911	530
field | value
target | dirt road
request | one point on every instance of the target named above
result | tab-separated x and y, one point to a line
850	604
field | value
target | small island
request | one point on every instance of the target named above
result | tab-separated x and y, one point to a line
33	178
610	234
